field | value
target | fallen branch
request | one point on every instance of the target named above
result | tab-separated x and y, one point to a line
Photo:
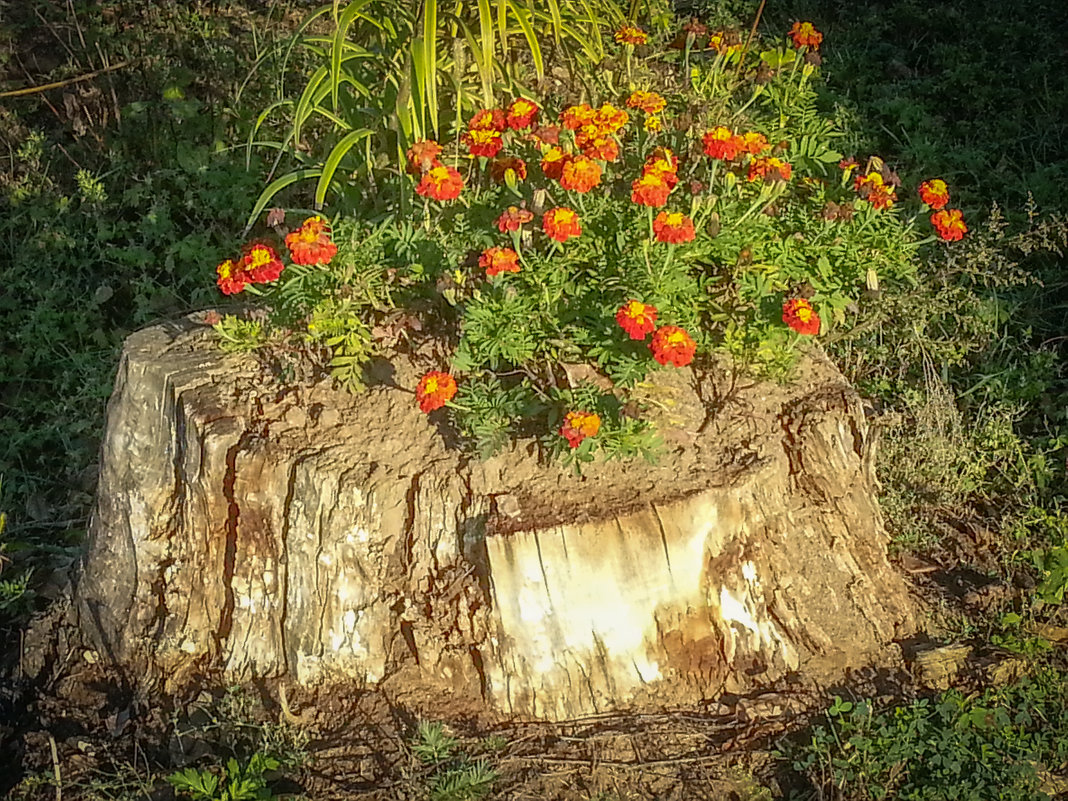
30	90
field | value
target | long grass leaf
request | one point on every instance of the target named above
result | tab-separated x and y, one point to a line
430	51
301	112
485	67
531	37
348	16
276	186
332	162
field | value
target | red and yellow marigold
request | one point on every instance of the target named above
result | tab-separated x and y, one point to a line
552	163
499	260
673	228
513	218
499	168
231	279
636	318
561	224
483	142
575	117
604	148
261	264
873	188
580	174
423	156
800	316
805	34
721	143
441	183
770	169
934	193
649	102
579	425
753	143
650	190
522	114
631	35
491	119
672	345
950	224
435	389
311	243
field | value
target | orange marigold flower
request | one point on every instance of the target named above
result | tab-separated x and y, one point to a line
664	154
231	278
663	170
636	318
441	183
650	190
672	345
631	35
653	124
673	227
950	224
805	34
488	119
574	117
522	114
770	169
561	223
721	143
579	425
484	142
934	193
552	163
423	156
310	244
610	119
753	143
499	169
873	188
800	316
512	218
499	260
435	390
580	174
649	102
604	148
262	264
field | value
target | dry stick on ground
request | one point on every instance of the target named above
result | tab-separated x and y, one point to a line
752	33
31	90
55	767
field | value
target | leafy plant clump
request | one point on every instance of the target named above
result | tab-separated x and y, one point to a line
562	252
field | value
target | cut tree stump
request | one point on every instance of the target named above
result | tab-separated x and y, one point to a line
245	529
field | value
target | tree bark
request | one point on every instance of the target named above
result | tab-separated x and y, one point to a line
247	529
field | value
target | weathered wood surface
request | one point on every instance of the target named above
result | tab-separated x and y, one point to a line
249	530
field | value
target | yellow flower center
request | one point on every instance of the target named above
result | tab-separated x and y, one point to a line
431	386
674	219
260	257
804	313
226	269
636	311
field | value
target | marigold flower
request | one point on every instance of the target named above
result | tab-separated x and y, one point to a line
441	183
499	169
650	190
574	117
435	390
231	278
662	169
561	224
653	124
873	188
610	119
726	43
770	169
673	228
950	224
499	260
262	264
522	114
721	143
579	425
483	142
310	244
488	119
552	163
636	318
672	345
800	316
580	174
513	218
649	102
423	156
631	35
934	193
754	143
805	35
604	148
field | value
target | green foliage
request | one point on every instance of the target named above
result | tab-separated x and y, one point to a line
237	782
237	335
455	777
988	746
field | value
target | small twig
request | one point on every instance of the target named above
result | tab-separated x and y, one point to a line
55	767
752	33
30	90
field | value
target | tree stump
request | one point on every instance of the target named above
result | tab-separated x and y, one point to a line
245	529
